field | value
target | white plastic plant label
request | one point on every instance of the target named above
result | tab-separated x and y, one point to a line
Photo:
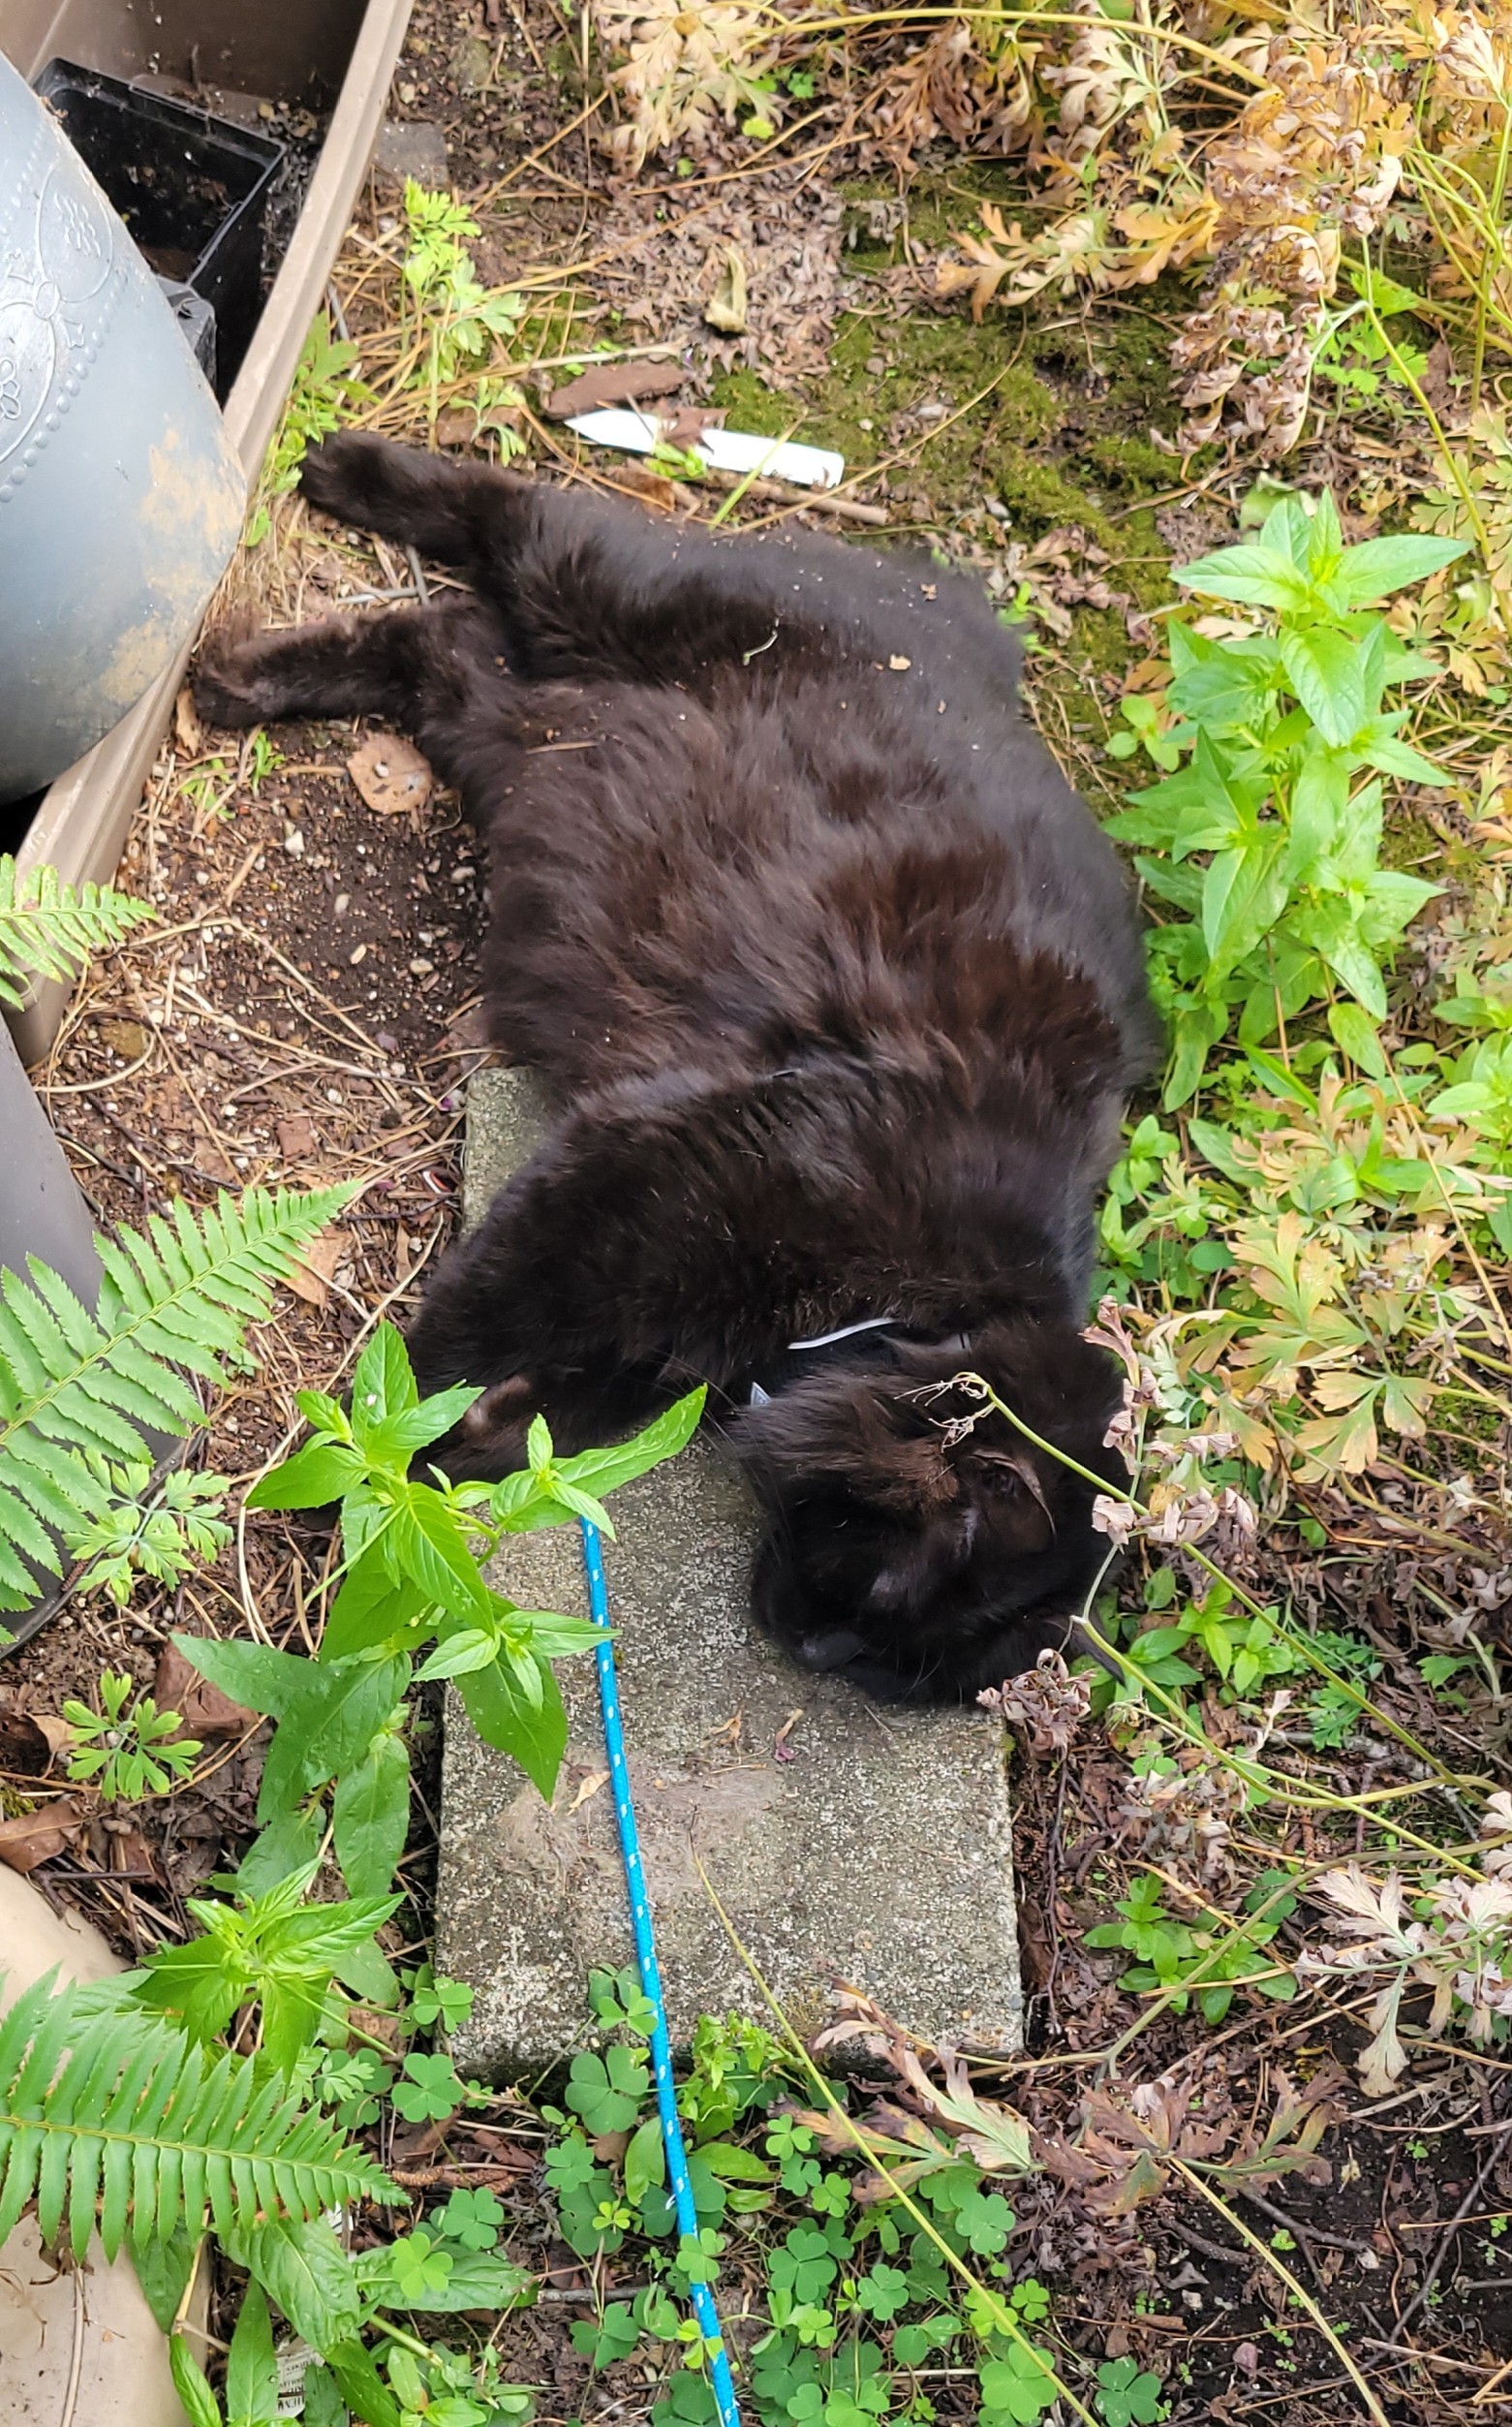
728	450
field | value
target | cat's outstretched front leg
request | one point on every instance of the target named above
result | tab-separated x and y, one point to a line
532	1332
598	1286
348	665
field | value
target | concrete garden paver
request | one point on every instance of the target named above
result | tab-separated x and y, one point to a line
841	1840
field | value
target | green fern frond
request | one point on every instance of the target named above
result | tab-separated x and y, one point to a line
115	2120
175	1296
47	928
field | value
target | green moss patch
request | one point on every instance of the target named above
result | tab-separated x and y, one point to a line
1030	421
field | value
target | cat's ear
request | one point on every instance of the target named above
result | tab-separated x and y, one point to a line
1012	1500
1014	1466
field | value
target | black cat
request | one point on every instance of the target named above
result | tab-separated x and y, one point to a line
839	989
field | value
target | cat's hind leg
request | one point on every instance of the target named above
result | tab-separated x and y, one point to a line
392	666
444	509
587	591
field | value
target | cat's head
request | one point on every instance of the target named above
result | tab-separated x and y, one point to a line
916	1556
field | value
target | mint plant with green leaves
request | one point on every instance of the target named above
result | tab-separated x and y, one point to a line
1245	1649
252	2390
1267	843
285	1971
276	1951
221	2079
412	1574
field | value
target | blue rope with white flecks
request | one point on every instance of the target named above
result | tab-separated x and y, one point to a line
703	2308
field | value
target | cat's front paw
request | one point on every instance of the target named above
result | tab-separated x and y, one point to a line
226	680
490	1441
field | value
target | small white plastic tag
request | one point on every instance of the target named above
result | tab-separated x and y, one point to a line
728	450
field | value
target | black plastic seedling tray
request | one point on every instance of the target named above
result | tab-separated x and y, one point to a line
194	191
197	319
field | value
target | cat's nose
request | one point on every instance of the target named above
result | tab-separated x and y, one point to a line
829	1650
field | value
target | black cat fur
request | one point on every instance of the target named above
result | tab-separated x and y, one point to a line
840	992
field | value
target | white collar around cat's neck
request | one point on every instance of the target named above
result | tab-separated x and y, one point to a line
846	1332
760	1399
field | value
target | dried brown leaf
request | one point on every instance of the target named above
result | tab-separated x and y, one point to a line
1437	379
1290	2141
689	422
204	1710
34	1837
212	1157
391	775
29	1741
129	1038
725	308
607	383
187	730
311	1277
638	481
1119	2157
56	1733
996	2135
295	1137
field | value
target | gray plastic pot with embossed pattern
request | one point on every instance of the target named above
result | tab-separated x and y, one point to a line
120	494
